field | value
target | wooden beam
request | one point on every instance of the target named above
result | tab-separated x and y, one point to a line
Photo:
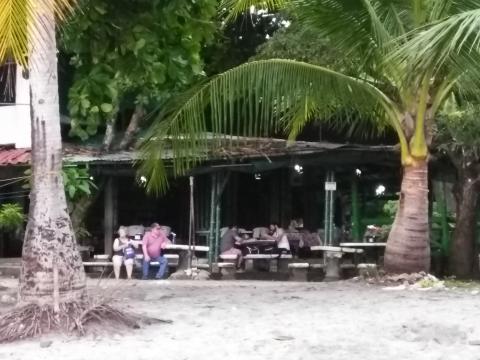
355	212
110	213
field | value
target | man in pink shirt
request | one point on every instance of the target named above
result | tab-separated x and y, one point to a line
154	241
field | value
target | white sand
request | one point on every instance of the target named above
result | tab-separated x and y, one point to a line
276	320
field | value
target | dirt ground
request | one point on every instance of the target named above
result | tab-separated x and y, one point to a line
272	320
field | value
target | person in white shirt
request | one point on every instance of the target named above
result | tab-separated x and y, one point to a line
278	234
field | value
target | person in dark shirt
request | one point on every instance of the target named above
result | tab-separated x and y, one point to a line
228	242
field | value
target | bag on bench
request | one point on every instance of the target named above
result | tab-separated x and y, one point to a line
129	252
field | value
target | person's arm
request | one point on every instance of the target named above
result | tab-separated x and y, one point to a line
238	239
117	246
165	242
144	247
268	237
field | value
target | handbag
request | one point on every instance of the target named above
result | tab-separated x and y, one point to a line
129	252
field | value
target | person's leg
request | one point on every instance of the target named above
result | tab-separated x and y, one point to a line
238	252
129	267
117	263
162	268
146	267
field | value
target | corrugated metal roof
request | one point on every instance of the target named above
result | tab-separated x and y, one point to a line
9	155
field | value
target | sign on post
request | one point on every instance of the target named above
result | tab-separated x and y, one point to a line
330	186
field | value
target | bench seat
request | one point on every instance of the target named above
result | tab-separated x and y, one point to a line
97	263
229	258
173	259
266	256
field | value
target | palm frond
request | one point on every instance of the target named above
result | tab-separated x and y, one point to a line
452	43
257	99
365	27
16	22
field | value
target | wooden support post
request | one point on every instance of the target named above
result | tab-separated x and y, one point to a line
442	208
355	209
110	214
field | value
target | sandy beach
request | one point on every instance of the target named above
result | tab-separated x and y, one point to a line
272	320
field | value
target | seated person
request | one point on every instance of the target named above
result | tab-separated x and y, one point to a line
228	242
295	225
123	253
278	234
154	241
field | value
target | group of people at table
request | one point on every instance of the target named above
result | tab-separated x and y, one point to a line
234	241
238	242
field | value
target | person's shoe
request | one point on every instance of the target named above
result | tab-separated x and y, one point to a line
158	277
144	278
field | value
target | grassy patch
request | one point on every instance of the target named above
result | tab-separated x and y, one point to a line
462	284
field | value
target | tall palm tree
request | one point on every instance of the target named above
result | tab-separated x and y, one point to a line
395	85
51	262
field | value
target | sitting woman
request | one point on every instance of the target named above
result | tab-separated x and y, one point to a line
230	239
123	253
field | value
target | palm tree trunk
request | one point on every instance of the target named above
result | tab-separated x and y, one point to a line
462	250
49	240
408	245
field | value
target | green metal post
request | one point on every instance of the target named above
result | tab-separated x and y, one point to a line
355	210
326	215
217	215
331	224
329	208
211	235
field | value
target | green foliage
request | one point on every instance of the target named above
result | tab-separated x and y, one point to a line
304	44
11	217
128	53
390	209
458	130
397	82
77	181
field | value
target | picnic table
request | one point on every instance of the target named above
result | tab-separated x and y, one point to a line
182	251
332	256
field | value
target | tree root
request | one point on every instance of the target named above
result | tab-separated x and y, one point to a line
33	320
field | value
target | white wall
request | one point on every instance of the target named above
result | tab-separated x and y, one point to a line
15	119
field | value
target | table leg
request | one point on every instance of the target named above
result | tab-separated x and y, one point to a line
332	268
248	264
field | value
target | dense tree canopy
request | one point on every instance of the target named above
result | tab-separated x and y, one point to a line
132	53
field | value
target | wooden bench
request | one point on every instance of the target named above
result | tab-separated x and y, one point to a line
367	270
274	261
226	269
101	262
229	258
173	259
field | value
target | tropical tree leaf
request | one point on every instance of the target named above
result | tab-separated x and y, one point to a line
449	46
15	23
256	99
